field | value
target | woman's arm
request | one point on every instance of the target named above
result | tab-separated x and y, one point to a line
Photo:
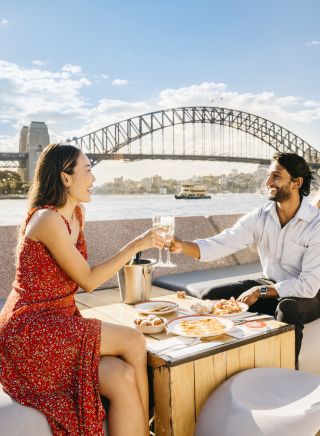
48	227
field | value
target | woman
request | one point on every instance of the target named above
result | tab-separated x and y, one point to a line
51	358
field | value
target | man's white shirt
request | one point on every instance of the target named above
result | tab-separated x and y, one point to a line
290	256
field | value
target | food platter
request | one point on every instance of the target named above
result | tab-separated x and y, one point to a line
221	308
199	326
156	307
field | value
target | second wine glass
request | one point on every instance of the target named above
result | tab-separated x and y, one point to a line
167	224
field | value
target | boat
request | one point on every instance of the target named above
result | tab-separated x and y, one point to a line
191	191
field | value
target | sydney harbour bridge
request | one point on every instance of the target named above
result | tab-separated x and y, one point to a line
188	133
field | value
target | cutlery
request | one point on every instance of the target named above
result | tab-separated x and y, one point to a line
180	346
252	318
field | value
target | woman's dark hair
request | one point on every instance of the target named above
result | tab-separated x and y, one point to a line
47	187
296	167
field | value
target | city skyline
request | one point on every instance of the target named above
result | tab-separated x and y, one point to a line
79	67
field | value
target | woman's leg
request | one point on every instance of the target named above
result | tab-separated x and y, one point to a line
117	382
130	345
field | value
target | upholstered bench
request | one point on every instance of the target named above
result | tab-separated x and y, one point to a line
18	420
197	283
263	402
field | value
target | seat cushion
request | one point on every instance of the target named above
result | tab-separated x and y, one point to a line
263	401
198	283
309	357
19	420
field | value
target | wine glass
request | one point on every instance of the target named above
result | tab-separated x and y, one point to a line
167	224
156	223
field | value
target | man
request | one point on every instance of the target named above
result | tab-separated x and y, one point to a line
286	231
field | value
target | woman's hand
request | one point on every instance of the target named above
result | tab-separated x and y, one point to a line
149	239
176	245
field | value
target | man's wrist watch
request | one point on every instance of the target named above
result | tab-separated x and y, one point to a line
263	291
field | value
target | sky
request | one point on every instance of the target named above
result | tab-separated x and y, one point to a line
80	65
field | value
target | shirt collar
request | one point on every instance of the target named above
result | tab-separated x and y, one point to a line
303	213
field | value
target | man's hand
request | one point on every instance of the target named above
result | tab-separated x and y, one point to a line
250	296
176	245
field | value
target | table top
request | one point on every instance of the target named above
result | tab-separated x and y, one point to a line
107	306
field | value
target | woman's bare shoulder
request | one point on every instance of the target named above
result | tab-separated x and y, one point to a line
44	220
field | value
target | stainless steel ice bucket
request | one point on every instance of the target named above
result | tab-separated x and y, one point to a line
135	281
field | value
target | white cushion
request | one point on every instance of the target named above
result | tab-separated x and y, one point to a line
263	401
309	357
19	420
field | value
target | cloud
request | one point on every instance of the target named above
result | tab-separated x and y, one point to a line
266	104
3	21
31	94
38	63
57	97
73	69
108	112
104	76
120	82
312	43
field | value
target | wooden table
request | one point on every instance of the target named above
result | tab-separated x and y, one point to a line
182	385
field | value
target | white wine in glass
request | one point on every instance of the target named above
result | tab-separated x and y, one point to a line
167	224
156	223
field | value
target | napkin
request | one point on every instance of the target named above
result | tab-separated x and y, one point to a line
182	352
162	347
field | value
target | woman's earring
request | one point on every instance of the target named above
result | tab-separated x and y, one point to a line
68	190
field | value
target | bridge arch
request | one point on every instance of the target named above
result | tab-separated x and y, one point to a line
109	140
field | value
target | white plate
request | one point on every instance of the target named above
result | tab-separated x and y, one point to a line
173	326
148	307
244	308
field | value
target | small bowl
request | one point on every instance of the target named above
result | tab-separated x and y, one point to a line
152	329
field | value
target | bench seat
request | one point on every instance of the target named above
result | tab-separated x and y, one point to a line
198	283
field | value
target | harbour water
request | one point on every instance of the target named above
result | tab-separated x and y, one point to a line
113	207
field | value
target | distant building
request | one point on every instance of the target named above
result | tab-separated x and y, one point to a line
32	140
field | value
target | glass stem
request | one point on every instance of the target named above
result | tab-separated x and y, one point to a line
168	256
160	256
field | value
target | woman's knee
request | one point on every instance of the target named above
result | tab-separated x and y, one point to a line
115	376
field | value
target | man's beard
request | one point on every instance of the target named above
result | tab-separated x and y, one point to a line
281	194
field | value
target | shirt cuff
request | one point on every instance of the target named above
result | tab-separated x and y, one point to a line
205	249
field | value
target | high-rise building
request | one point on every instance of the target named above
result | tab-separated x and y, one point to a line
33	139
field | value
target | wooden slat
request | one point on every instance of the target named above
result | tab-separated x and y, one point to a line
162	398
287	357
233	362
81	306
267	352
220	368
246	357
98	298
182	399
204	382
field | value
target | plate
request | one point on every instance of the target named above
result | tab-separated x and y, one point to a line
244	308
255	325
154	307
175	326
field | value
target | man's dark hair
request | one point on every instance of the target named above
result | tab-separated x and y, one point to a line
296	167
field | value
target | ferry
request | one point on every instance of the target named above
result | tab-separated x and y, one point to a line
191	191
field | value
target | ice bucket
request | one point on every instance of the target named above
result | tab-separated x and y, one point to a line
135	281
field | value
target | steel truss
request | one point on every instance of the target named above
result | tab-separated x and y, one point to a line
110	139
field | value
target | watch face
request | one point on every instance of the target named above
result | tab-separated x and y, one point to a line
263	291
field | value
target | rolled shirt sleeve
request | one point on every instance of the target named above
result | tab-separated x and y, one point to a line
240	236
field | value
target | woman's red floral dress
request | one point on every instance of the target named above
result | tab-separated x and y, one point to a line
49	353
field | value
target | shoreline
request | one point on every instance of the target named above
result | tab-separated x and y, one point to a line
13	197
